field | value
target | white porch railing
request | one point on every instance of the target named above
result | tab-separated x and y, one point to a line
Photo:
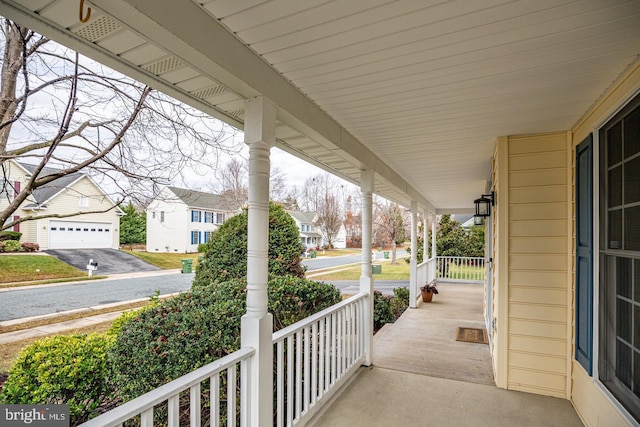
315	356
425	273
229	374
460	269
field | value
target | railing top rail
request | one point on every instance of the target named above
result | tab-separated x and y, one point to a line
148	400
291	329
462	257
426	262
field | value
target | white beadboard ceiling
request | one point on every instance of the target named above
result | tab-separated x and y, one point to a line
418	90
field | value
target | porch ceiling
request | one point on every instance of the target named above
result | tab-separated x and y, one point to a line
416	89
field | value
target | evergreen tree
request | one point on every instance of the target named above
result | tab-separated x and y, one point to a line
133	226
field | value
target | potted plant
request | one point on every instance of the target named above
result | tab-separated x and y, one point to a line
427	292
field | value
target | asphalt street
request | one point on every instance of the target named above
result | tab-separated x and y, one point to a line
320	263
17	303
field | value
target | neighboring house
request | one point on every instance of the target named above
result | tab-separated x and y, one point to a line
74	193
311	234
178	220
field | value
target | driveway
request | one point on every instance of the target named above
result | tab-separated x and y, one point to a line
110	261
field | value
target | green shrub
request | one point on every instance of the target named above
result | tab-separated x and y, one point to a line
9	235
197	327
226	254
12	246
399	303
381	310
61	369
202	247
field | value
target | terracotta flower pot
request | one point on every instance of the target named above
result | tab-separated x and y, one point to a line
426	296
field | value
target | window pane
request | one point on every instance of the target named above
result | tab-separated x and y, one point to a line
636	288
623	363
623	320
615	229
636	329
632	133
614	144
632	229
615	187
623	277
632	181
636	374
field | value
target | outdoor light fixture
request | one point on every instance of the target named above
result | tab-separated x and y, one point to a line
478	220
483	205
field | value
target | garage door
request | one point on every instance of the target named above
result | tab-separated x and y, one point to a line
77	234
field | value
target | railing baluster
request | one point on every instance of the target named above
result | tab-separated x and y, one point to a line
214	398
298	374
334	362
279	384
231	396
194	405
289	394
327	353
307	371
314	362
245	392
173	405
146	418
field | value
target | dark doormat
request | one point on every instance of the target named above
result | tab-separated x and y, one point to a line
474	335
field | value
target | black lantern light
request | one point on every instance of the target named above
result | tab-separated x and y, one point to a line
483	205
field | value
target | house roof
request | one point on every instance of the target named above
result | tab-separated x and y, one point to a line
303	217
199	199
43	194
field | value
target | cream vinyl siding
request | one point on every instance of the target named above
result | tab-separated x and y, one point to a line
67	202
595	406
537	263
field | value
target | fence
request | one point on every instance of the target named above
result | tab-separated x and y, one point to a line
460	269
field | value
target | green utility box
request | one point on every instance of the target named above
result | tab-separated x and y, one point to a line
187	265
314	254
376	269
386	254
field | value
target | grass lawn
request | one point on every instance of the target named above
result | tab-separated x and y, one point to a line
19	268
465	272
338	252
167	261
399	271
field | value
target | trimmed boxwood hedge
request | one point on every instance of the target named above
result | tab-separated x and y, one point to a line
184	333
226	253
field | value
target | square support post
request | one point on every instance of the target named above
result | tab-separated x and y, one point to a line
366	279
425	236
257	323
434	218
413	265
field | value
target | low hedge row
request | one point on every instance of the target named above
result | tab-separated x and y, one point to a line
16	246
152	346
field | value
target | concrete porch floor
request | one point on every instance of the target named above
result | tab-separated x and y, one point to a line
422	376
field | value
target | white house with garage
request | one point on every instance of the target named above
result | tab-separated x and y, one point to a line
94	220
179	219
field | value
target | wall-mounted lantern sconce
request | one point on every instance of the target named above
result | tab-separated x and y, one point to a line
483	205
478	220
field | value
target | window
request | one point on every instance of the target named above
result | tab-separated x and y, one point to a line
153	215
619	257
209	217
84	202
161	216
196	216
16	227
54	228
219	218
195	237
207	236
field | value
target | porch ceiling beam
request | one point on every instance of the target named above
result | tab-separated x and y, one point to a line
208	46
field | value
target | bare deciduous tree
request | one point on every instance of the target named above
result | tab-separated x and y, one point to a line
319	194
65	114
388	225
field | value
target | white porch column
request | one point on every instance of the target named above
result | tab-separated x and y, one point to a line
413	265
257	323
366	279
425	236
433	234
